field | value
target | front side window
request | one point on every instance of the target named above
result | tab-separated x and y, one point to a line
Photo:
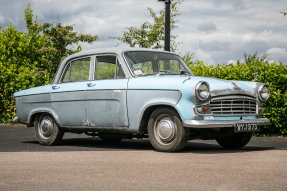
77	70
146	62
107	67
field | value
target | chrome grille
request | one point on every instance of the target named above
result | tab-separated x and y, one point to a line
233	105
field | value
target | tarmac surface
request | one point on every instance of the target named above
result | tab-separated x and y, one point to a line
87	163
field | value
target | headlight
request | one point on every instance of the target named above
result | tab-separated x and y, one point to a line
202	90
263	92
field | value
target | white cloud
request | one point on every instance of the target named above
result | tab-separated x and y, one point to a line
216	30
232	62
89	24
205	57
277	53
2	19
272	61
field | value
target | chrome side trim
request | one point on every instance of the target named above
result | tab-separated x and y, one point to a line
222	123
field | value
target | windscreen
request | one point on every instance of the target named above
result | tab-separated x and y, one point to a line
150	63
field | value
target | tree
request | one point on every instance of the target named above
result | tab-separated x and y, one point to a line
151	34
30	59
58	38
187	58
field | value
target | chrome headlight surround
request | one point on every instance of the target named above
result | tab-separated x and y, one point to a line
263	92
202	90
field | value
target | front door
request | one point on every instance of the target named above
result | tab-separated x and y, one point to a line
106	94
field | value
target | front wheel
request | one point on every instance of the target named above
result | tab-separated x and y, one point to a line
236	141
47	131
165	130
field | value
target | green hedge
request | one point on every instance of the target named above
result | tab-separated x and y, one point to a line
19	66
274	74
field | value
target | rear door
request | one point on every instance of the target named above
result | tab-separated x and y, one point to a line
107	93
68	97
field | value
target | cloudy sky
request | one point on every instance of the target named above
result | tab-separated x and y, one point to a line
216	31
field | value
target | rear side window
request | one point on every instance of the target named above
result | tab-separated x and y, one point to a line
77	70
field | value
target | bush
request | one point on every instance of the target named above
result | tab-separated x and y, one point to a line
274	74
19	61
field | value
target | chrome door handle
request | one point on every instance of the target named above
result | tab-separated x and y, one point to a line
55	87
90	84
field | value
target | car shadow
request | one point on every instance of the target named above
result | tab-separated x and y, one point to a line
206	148
96	144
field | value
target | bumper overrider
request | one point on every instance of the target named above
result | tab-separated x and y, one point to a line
15	119
222	123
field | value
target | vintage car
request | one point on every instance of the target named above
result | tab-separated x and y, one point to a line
118	93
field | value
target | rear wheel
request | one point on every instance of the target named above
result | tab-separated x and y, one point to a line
47	131
165	130
236	141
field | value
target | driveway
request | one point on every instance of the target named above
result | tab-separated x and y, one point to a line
87	163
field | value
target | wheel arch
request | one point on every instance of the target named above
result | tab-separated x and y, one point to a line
38	111
147	113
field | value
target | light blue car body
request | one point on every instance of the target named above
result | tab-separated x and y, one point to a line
134	99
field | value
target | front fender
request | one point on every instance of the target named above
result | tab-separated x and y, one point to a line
139	100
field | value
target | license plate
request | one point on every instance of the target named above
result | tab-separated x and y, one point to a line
246	127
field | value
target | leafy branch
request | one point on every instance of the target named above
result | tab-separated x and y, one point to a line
284	14
151	34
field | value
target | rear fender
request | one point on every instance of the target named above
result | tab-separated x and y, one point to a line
36	111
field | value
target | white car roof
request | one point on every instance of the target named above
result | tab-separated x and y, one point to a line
117	50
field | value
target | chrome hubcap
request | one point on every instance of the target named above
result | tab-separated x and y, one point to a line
166	129
46	127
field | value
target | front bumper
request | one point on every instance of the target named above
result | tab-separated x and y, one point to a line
222	123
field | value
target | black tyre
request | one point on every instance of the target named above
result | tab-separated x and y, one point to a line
165	130
47	131
236	141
